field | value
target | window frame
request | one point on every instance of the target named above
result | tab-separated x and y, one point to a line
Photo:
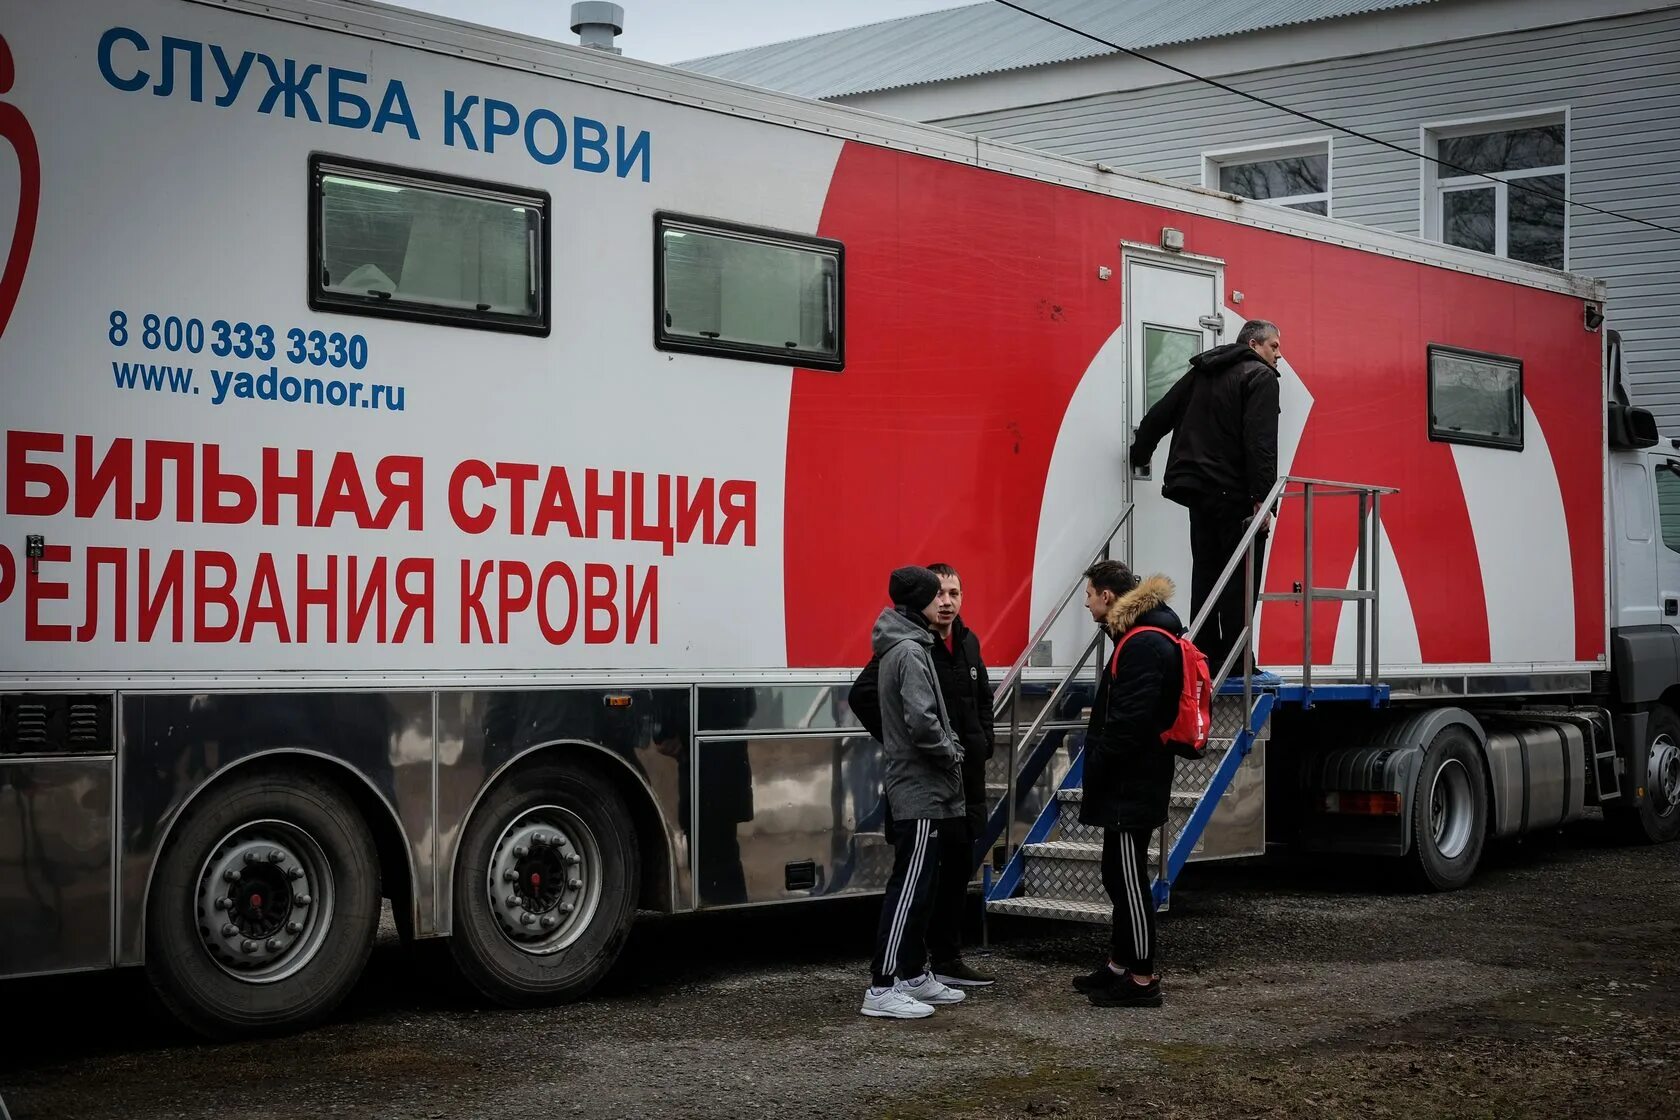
1215	159
742	351
1434	185
1474	439
321	299
1659	467
1165	328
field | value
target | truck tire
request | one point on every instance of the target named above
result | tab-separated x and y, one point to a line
264	906
545	885
1449	811
1655	766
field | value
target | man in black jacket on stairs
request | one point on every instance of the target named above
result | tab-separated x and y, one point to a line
1223	416
1129	770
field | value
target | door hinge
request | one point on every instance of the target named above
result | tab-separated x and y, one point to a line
1214	323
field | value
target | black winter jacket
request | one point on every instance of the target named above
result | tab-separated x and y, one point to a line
1128	770
1223	416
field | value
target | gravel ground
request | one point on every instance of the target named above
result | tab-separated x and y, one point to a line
1550	987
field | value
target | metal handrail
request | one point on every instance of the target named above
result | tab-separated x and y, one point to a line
1008	693
1242	556
1018	774
1013	677
1244	548
1370	507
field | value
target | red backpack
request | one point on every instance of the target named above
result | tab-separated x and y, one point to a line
1188	735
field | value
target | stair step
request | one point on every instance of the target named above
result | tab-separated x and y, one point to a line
1097	913
1064	849
1071	831
1179	799
1086	846
1071	872
1062	878
1233	686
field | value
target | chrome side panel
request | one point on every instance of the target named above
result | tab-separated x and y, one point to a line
55	864
775	707
1485	685
1238	825
773	810
785	811
481	732
174	744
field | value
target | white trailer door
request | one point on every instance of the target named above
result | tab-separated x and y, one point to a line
1171	313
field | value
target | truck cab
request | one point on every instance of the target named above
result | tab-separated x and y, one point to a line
1645	611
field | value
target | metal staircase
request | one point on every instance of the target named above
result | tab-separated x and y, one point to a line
1055	869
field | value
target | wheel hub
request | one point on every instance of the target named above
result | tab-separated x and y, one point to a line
1662	778
543	881
264	901
260	901
1451	809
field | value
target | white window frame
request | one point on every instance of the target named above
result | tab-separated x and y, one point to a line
1323	145
1435	182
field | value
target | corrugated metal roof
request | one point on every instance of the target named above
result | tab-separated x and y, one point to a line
987	38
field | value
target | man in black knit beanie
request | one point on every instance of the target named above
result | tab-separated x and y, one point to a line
924	792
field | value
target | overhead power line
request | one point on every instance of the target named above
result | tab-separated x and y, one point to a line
1513	184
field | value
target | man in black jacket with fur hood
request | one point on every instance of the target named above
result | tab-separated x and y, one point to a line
1129	770
1223	416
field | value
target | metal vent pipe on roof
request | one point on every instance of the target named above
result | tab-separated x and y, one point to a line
597	24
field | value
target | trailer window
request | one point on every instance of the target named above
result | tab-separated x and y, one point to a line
1475	398
735	291
405	244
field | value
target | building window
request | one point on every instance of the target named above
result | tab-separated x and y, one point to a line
742	292
407	244
1520	213
1293	175
1475	398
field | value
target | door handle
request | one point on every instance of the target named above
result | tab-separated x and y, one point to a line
1141	470
1671	607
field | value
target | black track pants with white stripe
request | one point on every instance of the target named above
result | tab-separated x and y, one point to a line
901	942
1125	874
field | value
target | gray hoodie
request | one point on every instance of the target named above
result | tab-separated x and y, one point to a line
924	759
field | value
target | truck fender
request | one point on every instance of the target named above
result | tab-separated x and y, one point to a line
1386	762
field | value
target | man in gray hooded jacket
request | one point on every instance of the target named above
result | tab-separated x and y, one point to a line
924	792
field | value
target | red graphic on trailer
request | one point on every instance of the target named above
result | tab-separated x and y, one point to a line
14	128
974	310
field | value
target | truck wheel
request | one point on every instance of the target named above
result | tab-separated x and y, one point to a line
545	885
264	906
1449	811
1655	818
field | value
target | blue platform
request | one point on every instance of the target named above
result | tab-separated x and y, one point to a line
1290	692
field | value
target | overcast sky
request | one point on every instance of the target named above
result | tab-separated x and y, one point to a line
671	30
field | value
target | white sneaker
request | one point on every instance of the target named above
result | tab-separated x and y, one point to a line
927	989
892	1003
